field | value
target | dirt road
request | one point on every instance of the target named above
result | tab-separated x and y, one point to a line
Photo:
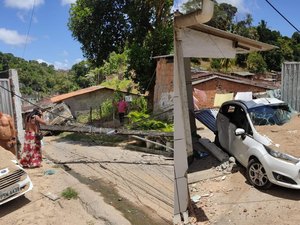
115	186
140	185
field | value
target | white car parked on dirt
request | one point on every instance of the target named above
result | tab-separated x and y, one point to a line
14	181
264	136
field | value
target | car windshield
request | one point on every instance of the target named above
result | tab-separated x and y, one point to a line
270	115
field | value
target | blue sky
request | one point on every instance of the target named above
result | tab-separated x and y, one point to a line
47	38
261	10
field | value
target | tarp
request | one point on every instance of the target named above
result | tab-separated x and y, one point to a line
221	98
208	118
199	97
246	96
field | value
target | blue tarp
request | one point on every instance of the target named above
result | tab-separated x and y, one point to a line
208	118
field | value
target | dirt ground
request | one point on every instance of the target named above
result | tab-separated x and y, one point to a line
227	198
115	186
36	208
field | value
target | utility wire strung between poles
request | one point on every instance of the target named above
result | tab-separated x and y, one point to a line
283	16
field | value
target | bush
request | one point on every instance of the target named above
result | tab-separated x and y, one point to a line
142	121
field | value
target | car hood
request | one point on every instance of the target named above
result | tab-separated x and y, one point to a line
284	138
6	159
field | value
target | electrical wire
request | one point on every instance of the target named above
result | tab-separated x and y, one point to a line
289	22
95	141
29	27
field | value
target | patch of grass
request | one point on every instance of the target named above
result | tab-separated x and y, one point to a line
97	138
69	193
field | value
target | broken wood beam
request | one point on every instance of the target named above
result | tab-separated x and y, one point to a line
101	130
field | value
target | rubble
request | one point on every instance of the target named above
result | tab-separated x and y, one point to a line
229	166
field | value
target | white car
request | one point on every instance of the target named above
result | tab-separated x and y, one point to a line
14	181
251	131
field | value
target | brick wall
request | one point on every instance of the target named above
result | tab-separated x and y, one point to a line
163	90
220	86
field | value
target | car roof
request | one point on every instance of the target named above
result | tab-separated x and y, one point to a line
256	102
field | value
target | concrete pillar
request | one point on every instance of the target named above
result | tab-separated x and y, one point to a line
182	133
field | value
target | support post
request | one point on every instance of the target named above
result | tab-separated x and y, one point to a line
182	133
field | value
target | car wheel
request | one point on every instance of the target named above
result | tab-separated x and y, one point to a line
257	175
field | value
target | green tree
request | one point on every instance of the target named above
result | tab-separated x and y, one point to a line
223	16
100	27
145	26
151	35
80	72
256	63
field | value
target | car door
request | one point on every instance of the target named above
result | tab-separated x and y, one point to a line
239	144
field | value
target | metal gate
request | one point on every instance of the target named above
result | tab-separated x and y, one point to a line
10	101
6	101
290	84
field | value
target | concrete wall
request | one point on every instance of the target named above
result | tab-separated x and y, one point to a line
83	103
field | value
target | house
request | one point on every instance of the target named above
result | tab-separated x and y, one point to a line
215	83
205	85
81	101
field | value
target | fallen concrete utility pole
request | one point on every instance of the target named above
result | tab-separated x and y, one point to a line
153	142
100	130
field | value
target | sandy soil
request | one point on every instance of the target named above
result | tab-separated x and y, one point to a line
228	199
144	180
36	208
114	185
285	138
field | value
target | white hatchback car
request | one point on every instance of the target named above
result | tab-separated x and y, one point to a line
14	181
251	132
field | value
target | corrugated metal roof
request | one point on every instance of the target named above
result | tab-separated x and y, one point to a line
243	73
232	79
208	118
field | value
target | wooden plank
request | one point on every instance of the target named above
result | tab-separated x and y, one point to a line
100	130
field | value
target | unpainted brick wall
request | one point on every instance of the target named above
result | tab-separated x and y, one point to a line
220	86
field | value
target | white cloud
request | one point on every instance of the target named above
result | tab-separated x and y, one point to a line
240	4
78	60
65	53
57	65
23	4
67	2
24	17
62	65
43	61
12	37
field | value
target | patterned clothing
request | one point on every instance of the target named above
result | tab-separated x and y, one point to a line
31	156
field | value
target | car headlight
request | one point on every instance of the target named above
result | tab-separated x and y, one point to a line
280	155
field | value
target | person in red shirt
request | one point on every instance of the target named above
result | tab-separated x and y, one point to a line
122	107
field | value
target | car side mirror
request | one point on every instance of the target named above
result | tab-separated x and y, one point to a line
240	132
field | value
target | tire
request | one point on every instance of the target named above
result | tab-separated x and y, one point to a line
257	176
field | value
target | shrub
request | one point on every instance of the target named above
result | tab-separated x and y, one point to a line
69	193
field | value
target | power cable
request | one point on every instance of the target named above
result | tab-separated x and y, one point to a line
30	22
90	137
283	16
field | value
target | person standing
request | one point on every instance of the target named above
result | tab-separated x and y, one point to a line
122	107
7	133
31	155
